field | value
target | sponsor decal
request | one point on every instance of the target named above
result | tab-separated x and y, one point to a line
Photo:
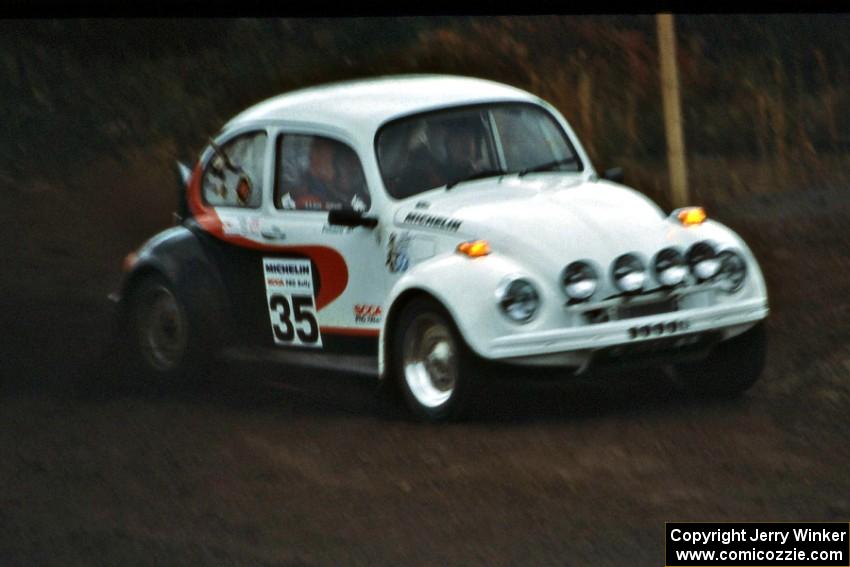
291	302
293	268
365	313
432	221
241	226
398	258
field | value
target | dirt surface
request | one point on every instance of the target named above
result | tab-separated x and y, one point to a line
259	466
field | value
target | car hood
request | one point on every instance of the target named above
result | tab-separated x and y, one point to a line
548	218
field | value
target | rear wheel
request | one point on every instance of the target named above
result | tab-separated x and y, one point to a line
158	336
432	365
732	367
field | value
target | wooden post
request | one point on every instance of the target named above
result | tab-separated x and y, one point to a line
585	104
672	111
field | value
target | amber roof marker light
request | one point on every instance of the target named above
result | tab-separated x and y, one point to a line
690	216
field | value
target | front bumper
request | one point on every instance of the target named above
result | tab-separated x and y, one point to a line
577	346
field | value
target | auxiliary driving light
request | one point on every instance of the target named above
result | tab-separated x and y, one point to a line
579	280
518	300
670	267
629	273
733	271
702	260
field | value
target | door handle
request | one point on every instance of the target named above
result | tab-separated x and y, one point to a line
273	233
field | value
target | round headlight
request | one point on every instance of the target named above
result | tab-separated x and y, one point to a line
518	300
580	281
702	260
733	271
629	273
670	268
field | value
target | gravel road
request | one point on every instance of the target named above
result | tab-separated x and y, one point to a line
258	466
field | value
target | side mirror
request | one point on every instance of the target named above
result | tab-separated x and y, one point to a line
614	174
350	217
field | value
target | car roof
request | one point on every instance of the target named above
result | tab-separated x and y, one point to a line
368	103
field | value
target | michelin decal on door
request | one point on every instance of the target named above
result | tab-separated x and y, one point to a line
292	302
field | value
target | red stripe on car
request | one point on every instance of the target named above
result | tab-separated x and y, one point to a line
333	272
350	331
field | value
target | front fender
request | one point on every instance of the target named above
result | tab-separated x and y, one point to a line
466	288
725	237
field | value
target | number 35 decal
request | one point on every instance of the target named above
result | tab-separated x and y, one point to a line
296	321
291	302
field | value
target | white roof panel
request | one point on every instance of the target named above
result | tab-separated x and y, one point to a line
371	102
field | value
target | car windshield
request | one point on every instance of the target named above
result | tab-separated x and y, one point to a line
447	147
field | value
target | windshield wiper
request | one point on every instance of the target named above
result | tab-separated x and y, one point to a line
549	165
476	175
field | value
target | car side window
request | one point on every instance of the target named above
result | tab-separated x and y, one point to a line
234	175
318	173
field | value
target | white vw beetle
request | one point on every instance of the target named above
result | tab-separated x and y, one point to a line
420	228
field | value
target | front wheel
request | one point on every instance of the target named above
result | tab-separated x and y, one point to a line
432	365
732	367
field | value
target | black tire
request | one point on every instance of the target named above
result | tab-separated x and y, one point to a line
433	368
160	341
731	368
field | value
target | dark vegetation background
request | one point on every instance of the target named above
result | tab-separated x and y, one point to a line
93	114
762	95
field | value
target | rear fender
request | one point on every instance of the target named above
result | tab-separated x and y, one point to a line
179	255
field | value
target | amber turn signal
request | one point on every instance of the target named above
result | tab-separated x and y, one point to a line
475	248
691	216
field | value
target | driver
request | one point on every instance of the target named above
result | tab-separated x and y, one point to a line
320	177
351	186
462	153
422	170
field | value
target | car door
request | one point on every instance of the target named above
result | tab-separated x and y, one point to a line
293	280
324	283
